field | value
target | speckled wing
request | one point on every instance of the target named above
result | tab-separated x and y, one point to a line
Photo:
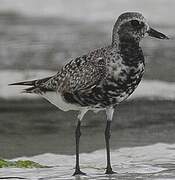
80	74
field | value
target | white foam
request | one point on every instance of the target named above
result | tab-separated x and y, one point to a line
150	89
154	89
134	162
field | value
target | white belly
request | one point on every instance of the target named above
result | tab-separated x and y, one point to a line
57	100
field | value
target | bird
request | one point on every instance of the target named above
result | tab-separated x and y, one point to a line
101	79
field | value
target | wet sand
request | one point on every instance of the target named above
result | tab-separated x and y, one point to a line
31	127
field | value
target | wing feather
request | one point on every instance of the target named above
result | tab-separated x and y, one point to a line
81	74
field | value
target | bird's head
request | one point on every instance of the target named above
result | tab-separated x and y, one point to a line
132	26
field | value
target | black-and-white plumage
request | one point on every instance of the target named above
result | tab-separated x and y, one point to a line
101	79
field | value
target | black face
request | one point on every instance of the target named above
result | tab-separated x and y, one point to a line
133	30
151	32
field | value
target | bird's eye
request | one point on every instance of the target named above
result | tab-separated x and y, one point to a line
135	23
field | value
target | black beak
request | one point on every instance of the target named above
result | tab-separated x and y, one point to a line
153	33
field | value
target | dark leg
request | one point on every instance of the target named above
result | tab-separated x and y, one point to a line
77	137
107	137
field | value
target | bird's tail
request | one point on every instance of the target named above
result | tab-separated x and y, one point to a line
24	83
35	84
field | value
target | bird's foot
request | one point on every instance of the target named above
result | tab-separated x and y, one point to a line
78	172
109	171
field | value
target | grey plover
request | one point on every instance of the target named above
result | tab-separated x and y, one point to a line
100	79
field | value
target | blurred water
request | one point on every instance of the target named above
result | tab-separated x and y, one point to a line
157	10
155	161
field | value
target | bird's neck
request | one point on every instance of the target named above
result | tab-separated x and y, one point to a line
117	40
131	45
127	46
130	51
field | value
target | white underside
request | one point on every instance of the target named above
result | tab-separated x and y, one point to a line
57	100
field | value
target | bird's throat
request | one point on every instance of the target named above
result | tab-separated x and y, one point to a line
131	52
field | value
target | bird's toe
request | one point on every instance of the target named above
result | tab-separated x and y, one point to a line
78	172
109	171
